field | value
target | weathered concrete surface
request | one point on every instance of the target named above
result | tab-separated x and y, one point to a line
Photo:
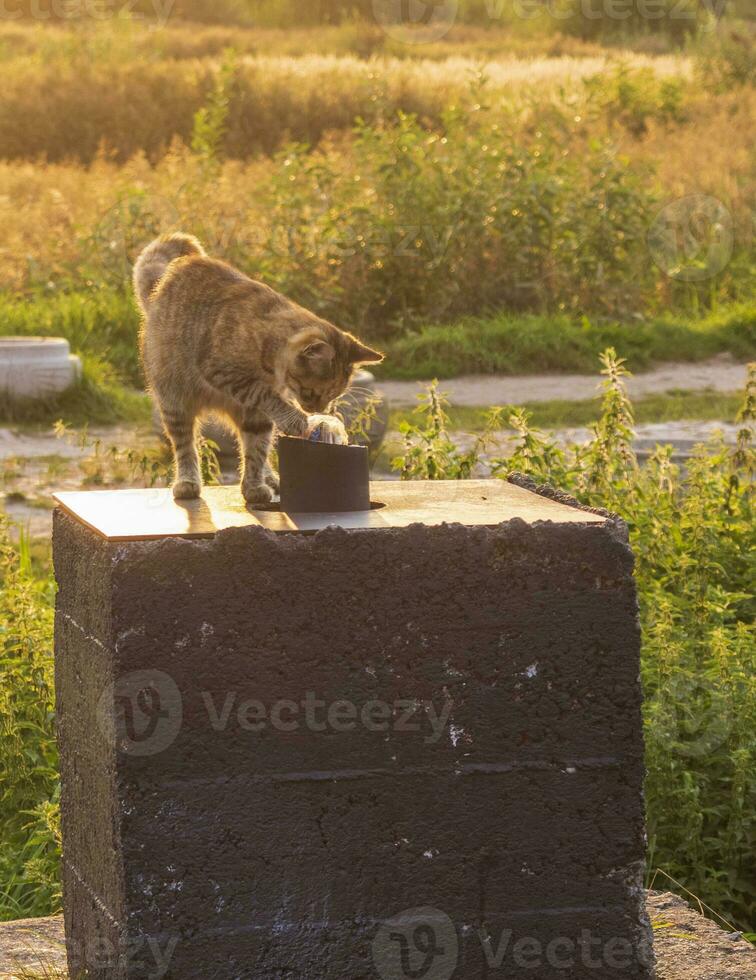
687	946
478	749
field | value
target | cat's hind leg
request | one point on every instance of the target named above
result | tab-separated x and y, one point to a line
259	482
181	427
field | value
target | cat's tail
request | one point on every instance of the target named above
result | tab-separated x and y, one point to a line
150	267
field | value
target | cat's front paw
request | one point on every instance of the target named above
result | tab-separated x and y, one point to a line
186	490
257	495
328	429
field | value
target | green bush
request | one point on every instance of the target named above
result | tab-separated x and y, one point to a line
694	538
414	226
29	845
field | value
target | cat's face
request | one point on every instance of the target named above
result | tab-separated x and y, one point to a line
320	367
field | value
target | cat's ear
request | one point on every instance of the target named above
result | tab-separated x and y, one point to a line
360	354
318	353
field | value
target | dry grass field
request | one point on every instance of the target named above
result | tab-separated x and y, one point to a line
90	118
130	92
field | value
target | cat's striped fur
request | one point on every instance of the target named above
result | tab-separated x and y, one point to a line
214	340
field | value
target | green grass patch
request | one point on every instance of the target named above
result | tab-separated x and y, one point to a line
102	327
527	344
670	407
102	323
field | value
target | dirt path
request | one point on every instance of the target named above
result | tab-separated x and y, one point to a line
721	373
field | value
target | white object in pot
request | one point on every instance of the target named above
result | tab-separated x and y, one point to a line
329	429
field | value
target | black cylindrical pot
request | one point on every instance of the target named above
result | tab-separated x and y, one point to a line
319	477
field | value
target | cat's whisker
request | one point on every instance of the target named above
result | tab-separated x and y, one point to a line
362	390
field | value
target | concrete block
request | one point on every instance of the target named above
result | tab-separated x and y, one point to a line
409	746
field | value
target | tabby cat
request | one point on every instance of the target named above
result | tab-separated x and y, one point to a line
214	340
